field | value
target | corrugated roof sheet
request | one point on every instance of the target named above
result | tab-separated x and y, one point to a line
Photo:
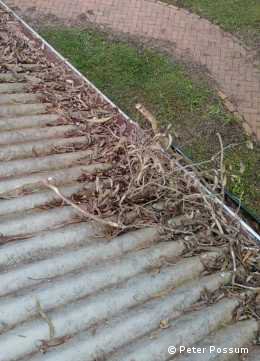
69	292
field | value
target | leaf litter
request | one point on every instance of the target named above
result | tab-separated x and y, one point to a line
147	185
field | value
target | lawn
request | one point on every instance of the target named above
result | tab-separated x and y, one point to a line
236	16
129	74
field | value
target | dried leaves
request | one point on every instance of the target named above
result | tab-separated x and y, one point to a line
146	185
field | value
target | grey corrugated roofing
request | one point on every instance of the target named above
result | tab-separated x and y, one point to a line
68	292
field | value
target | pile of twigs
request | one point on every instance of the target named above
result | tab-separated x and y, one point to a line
145	185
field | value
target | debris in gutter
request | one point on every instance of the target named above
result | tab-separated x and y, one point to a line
145	186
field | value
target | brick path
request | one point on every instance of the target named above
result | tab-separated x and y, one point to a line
230	64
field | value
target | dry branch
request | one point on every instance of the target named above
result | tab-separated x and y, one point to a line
82	211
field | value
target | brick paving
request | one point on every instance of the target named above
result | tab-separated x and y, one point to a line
231	65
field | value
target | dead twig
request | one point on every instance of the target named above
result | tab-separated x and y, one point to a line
222	166
45	317
234	263
254	289
83	211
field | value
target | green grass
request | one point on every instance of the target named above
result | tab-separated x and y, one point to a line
128	74
240	16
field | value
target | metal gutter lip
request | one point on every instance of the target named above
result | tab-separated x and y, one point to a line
249	230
